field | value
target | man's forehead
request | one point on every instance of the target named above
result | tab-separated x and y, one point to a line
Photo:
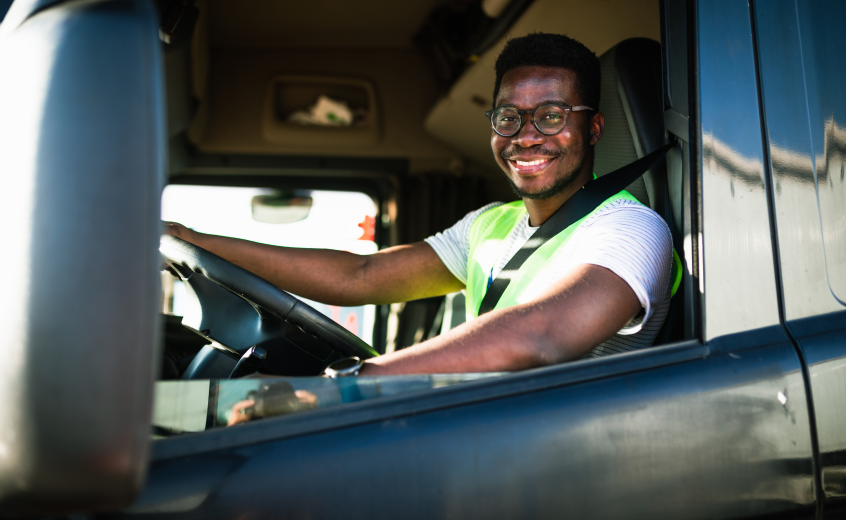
536	84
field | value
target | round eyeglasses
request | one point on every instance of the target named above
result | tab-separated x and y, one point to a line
548	119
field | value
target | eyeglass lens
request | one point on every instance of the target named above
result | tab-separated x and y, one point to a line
549	119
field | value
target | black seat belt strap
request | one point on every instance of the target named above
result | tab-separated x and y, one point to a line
594	193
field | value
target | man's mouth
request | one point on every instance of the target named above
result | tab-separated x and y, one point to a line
527	166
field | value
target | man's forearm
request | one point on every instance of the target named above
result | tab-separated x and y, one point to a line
581	311
335	277
495	342
329	276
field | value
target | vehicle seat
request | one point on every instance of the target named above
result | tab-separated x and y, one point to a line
631	100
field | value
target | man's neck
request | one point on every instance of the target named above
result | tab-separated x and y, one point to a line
541	209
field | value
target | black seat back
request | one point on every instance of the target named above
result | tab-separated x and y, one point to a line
631	100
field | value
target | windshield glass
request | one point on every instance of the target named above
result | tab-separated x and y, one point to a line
342	220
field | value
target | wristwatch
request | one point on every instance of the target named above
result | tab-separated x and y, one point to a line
348	366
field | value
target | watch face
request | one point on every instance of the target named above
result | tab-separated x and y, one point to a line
343	364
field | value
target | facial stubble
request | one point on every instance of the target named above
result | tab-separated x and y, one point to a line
558	186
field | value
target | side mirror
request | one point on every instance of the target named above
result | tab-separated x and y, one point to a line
82	151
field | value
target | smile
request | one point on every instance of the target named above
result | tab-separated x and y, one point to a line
524	166
531	163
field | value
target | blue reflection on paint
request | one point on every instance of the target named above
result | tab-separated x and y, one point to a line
726	71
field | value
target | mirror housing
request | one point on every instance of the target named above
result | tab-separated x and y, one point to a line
82	148
282	206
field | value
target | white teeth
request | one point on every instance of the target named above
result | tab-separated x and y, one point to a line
531	163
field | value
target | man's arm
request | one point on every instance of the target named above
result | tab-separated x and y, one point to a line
580	311
392	275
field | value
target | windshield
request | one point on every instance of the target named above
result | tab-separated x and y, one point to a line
342	220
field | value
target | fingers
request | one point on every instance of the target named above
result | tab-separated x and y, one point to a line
171	270
308	400
238	414
172	228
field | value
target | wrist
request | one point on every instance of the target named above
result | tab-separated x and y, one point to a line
345	367
366	369
371	368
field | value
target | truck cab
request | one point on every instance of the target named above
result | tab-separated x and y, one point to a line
358	126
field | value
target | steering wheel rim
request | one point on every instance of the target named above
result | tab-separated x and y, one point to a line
268	300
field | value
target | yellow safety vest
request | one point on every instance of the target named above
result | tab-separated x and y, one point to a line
488	235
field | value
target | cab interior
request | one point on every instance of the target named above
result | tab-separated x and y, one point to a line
417	76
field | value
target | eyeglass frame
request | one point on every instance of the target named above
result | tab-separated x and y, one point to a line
521	113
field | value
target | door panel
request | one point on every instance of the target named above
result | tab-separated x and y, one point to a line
739	281
823	340
807	148
822	29
803	70
723	436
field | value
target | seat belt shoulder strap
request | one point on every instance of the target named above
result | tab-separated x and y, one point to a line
582	203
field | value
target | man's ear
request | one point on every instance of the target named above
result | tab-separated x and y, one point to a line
597	127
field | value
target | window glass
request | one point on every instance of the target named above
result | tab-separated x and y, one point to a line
334	220
192	406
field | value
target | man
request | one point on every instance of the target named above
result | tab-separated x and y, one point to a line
602	286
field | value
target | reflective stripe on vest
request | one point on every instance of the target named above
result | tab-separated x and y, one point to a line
488	235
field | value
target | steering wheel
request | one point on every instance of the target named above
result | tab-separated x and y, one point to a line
236	310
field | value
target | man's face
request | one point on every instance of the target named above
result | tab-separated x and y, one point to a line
555	161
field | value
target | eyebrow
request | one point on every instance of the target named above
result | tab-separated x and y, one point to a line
545	102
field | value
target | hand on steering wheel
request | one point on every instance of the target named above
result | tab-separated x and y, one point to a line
236	309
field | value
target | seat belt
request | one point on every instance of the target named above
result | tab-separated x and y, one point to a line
594	193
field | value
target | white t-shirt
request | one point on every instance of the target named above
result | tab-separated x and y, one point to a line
625	237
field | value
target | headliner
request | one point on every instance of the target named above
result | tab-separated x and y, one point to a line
271	24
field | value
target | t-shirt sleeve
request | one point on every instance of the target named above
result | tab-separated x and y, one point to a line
453	245
635	243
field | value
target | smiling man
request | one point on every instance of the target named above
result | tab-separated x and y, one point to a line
599	287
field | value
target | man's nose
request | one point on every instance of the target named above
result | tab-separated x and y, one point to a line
528	135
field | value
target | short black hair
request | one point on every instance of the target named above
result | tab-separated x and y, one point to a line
552	50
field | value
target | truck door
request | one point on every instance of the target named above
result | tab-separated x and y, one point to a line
802	71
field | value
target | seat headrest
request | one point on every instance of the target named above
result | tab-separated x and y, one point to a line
631	103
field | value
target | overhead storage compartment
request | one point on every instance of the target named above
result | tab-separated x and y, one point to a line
313	111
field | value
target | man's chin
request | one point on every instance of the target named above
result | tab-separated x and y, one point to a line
545	192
